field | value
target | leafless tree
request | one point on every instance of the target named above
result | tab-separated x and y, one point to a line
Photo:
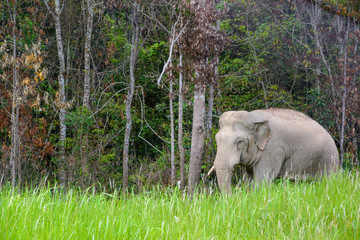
180	122
172	130
15	139
86	98
133	58
61	92
177	30
89	27
343	43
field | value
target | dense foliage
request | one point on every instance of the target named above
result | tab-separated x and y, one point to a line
290	54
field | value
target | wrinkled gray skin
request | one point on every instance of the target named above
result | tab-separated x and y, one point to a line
273	143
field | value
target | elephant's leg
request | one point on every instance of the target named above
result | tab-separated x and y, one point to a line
268	167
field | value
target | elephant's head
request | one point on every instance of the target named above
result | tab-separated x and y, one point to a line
239	141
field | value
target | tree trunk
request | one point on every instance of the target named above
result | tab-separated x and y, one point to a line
180	125
199	112
130	94
172	133
198	136
15	145
15	140
89	27
344	92
354	134
62	98
86	99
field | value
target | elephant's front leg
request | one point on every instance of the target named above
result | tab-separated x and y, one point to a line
268	167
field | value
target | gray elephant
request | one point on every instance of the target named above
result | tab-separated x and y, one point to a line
273	143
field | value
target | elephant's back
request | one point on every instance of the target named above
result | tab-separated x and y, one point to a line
294	124
292	120
288	114
291	126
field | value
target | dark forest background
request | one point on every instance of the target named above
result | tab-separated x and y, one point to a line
102	92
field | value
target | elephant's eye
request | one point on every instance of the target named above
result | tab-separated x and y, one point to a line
239	144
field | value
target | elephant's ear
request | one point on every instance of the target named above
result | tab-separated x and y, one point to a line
262	134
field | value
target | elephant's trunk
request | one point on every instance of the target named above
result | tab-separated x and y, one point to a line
224	175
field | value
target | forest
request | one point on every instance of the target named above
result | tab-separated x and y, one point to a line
128	93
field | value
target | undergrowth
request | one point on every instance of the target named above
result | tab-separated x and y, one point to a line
329	209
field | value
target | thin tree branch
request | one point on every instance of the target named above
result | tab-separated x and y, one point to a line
157	21
48	7
172	47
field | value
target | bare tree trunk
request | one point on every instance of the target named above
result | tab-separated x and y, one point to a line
354	135
198	135
172	135
89	27
180	124
15	145
344	92
130	94
172	132
86	98
61	92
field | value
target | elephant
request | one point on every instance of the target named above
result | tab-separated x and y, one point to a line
271	144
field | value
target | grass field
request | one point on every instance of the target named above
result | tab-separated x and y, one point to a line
329	209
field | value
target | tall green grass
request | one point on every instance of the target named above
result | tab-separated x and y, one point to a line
329	209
